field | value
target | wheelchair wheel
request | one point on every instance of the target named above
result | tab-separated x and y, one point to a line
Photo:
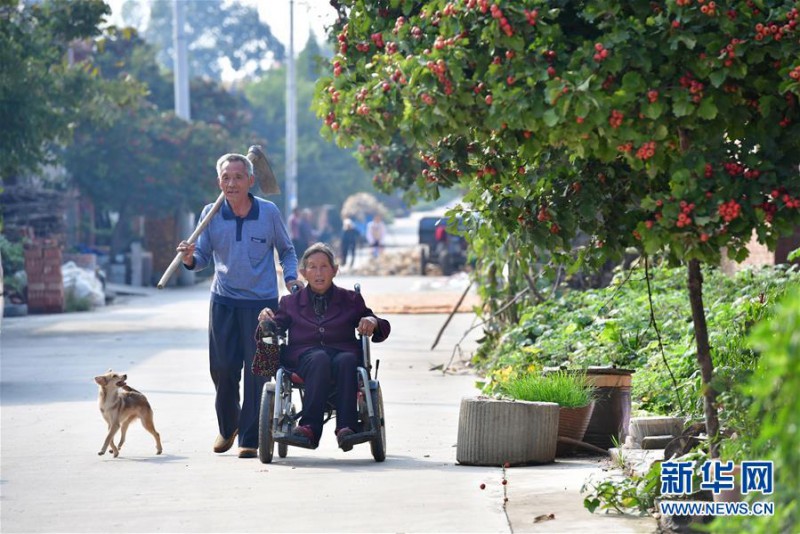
283	449
378	443
265	416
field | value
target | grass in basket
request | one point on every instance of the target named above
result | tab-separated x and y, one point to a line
571	390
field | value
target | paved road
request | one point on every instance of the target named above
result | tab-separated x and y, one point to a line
53	480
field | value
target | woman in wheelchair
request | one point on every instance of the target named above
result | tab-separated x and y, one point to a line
322	319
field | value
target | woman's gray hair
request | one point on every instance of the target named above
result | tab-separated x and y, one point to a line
315	248
234	157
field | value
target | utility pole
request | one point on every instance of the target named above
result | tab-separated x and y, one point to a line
291	121
184	219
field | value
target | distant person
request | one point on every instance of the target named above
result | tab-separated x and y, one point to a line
306	231
350	238
376	233
293	224
240	242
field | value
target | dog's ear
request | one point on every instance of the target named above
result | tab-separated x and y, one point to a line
110	370
123	377
101	380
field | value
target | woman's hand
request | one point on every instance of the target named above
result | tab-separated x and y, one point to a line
265	314
187	249
367	326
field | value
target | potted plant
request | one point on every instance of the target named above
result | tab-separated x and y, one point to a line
572	391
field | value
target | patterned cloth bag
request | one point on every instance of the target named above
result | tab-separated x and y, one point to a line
267	358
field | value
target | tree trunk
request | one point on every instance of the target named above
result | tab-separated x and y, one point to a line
704	356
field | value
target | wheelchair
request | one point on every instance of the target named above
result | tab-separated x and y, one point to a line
278	415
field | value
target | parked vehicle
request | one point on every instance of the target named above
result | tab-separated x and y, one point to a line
441	247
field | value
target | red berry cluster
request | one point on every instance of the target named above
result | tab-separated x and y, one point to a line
532	16
729	210
543	215
363	47
795	73
615	120
427	99
685	217
497	13
682	3
733	169
709	171
646	151
600	53
450	9
486	171
439	68
695	87
652	96
377	38
337	68
335	95
786	121
790	202
775	30
342	38
729	52
399	23
625	147
709	9
397	76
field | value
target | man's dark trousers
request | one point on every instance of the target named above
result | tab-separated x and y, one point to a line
232	346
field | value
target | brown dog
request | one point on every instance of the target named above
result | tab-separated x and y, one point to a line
120	405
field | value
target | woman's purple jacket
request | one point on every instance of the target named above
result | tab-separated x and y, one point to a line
337	329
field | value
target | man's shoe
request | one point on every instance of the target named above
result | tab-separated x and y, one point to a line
341	434
247	452
224	444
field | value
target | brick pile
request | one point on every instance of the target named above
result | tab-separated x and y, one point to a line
45	283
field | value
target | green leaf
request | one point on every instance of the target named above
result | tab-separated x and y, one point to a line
682	108
632	82
551	117
654	110
679	182
707	109
717	77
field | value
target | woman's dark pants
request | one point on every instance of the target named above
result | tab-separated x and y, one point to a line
325	370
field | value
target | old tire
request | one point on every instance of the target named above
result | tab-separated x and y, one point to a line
378	443
265	416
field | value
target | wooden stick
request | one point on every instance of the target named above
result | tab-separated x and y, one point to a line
192	238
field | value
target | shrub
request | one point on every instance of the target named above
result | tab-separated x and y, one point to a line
611	326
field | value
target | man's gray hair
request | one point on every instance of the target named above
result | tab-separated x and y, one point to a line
234	157
315	248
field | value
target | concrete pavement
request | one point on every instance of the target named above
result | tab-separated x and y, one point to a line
53	480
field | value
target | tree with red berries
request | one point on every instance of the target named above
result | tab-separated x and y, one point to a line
668	126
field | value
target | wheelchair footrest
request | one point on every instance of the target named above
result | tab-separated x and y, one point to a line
296	441
355	439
